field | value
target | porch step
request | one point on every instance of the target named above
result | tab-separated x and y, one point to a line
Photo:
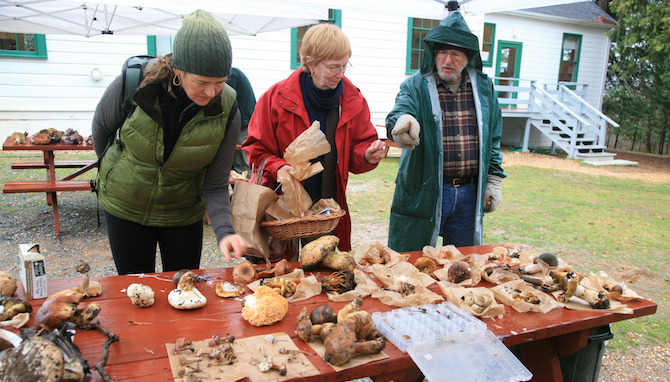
595	157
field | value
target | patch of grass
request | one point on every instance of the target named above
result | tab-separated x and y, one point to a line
594	223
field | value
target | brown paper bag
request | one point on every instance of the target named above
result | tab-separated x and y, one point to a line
249	203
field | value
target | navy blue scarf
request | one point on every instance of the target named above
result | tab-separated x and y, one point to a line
318	102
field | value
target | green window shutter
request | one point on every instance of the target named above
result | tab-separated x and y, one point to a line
488	44
334	16
570	52
23	45
416	31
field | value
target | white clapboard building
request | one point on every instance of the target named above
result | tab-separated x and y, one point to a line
549	63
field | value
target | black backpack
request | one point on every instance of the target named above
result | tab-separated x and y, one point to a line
133	74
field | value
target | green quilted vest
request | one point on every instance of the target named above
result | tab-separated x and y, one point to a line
137	184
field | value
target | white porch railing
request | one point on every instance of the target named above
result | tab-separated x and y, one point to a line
568	113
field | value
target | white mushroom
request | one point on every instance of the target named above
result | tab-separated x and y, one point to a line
141	295
187	296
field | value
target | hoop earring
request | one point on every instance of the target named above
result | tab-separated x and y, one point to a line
176	80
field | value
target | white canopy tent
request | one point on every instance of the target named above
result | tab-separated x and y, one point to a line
151	17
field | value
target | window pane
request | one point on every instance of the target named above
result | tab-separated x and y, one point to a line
567	69
17	42
28	42
570	44
488	34
7	41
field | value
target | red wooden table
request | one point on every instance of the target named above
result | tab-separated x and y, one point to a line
50	185
141	353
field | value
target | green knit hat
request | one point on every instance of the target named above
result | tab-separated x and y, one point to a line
202	47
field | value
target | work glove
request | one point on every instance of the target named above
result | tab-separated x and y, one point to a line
493	193
406	131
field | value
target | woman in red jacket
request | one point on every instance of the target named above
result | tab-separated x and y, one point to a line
318	91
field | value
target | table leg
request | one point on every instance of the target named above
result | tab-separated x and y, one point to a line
50	162
55	209
541	358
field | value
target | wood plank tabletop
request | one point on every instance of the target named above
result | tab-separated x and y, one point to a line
141	354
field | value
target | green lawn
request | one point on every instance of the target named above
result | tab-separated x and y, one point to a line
594	223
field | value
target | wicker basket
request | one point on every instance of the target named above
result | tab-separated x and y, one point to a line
307	226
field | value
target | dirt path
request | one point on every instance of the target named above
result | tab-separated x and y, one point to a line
650	168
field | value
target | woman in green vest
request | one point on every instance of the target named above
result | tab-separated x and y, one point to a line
172	156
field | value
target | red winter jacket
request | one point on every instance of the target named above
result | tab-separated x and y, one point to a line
280	116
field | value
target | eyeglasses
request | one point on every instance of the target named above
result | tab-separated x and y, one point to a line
455	54
338	69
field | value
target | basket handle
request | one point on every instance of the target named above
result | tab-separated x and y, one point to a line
257	175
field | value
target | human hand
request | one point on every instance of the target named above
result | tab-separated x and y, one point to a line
232	243
284	167
493	193
406	131
376	152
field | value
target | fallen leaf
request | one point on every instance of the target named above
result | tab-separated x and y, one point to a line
591	223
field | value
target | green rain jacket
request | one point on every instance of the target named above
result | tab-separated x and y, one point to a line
417	203
136	182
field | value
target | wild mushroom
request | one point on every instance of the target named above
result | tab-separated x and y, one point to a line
268	364
542	263
8	284
323	315
458	272
341	345
244	273
11	306
226	289
425	264
264	307
314	251
141	295
597	300
186	295
87	288
339	261
17	321
61	308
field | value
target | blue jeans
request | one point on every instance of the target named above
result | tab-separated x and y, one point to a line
458	214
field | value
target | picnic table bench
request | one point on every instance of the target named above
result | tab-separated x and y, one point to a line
50	186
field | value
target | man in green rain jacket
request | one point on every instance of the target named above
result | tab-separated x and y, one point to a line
448	121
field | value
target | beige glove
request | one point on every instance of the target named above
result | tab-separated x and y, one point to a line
406	131
493	193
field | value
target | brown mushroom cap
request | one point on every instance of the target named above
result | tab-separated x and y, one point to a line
458	272
321	314
8	284
572	287
244	273
426	264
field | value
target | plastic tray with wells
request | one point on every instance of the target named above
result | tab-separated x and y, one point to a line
448	344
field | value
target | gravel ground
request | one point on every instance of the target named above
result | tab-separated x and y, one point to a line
83	237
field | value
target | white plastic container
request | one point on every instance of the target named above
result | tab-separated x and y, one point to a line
448	344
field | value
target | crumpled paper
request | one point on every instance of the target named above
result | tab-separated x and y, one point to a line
505	293
443	255
421	296
395	275
365	286
477	268
602	282
576	303
295	200
308	287
455	296
375	251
